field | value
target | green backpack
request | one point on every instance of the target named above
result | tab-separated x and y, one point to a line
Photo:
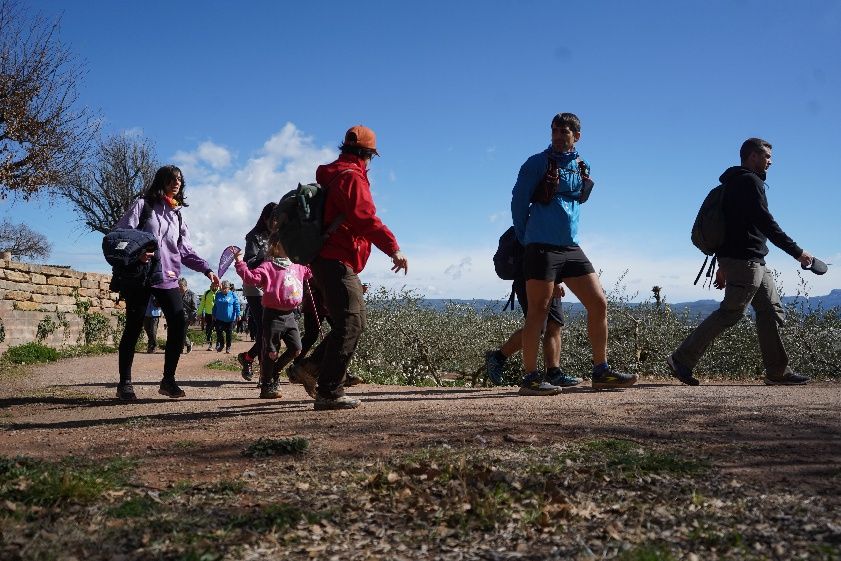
297	221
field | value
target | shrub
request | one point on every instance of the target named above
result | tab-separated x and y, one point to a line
30	353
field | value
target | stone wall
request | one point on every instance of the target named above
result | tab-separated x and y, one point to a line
29	292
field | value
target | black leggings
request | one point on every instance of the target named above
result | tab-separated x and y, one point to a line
172	305
255	311
208	328
224	334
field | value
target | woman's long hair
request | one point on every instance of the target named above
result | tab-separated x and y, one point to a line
262	227
163	178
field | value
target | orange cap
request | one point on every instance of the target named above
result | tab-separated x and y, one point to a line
363	137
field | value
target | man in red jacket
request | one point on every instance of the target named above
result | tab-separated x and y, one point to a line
342	258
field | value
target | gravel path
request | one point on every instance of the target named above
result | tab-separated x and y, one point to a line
776	434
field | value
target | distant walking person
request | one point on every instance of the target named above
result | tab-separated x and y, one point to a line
159	213
205	313
742	272
545	206
283	291
150	324
342	258
225	313
256	246
189	311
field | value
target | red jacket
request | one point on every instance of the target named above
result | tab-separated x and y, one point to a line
349	194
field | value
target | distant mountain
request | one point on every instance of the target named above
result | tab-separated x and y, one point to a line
698	308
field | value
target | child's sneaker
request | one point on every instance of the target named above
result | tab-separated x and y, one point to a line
247	367
607	378
534	384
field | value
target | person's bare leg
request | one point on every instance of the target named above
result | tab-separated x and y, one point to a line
539	294
513	344
588	290
552	345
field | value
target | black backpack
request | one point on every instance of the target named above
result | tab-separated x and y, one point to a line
708	230
297	221
508	259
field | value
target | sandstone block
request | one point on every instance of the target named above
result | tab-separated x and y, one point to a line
18	276
18	295
63	281
37	278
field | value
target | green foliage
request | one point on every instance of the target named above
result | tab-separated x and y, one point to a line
30	353
135	507
40	483
50	324
263	447
228	365
2	331
647	553
75	351
95	326
269	518
406	342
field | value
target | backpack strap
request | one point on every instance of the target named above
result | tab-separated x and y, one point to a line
510	301
146	214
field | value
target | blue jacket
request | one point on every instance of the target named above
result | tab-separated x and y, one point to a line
226	306
557	222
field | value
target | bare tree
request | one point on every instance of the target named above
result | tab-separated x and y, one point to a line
23	242
43	134
101	191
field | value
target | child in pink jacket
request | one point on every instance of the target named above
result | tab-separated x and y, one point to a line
283	291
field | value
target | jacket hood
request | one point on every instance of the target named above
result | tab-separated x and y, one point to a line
732	173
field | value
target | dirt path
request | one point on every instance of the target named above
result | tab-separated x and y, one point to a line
789	436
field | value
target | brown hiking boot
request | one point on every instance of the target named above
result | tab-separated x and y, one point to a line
353	380
304	374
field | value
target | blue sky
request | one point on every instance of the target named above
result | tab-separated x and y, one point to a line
249	97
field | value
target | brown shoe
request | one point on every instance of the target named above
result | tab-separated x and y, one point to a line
304	374
353	380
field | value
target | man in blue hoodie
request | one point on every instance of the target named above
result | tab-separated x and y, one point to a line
742	272
545	205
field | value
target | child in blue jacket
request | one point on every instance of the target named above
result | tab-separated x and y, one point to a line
225	313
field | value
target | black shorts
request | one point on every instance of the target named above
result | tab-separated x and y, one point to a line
556	310
554	263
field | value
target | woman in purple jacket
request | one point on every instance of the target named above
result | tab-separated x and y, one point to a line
158	212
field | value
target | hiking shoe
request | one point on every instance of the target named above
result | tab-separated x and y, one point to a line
534	384
150	350
558	377
170	389
301	374
125	392
247	371
189	346
228	350
493	367
681	372
353	380
328	403
787	379
608	378
269	390
219	348
210	346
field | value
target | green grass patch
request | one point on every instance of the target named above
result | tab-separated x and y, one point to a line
36	482
263	447
647	553
31	353
625	457
273	517
95	349
136	507
228	365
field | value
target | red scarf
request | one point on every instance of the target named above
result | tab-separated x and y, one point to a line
171	202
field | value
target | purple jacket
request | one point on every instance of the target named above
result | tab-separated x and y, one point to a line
163	224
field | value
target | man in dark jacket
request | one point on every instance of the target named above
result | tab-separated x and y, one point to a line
342	258
742	272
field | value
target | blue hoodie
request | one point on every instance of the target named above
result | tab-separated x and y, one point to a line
226	306
555	223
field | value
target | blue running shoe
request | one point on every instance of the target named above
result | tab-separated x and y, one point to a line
494	367
534	384
558	377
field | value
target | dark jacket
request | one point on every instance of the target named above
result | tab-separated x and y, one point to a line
350	196
256	246
748	221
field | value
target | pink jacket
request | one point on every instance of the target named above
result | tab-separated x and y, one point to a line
283	288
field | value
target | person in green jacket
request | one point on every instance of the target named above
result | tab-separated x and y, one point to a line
205	313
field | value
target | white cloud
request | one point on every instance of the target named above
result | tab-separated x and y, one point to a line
225	206
133	132
497	216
